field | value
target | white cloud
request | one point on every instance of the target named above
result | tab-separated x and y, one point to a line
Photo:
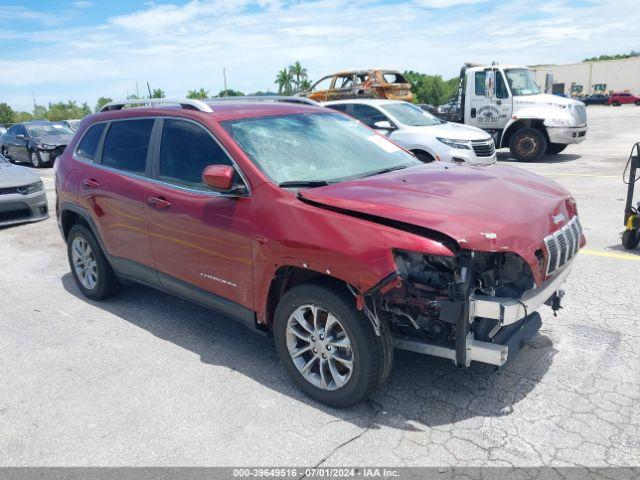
180	47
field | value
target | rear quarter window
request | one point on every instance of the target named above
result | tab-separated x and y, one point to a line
88	147
126	145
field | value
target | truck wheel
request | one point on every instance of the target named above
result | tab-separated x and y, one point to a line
630	239
90	268
528	144
554	148
328	348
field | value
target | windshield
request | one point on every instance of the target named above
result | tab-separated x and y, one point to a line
315	147
409	114
42	130
521	81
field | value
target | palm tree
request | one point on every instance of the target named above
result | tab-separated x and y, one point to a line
296	70
305	84
283	80
198	94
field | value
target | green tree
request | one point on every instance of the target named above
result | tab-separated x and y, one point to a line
284	82
19	117
6	113
305	84
157	93
619	56
230	93
431	89
39	112
198	94
298	73
66	110
102	101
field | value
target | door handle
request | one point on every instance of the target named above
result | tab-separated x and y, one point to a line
473	113
499	102
90	183
158	202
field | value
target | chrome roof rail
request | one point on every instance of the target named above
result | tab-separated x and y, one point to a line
158	103
264	98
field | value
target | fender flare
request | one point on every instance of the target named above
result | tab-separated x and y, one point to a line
66	206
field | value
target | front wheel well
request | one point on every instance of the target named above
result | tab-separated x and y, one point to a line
536	123
287	277
69	218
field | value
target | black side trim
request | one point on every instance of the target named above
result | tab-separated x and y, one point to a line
135	271
207	299
446	240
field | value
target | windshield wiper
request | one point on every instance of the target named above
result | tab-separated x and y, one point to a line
304	183
385	170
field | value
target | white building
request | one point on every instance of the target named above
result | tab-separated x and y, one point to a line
589	77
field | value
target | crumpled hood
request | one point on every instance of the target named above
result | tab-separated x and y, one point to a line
497	208
454	131
55	139
16	176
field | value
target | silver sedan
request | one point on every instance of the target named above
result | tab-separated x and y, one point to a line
22	195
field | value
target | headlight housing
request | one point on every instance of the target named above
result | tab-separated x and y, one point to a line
558	122
461	144
35	187
45	146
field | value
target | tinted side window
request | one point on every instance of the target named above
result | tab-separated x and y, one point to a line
12	131
21	130
126	145
480	77
367	115
341	108
185	150
89	143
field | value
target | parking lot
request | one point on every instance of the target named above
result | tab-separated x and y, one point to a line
148	379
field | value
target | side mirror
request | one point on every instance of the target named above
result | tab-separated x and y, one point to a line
21	136
219	177
383	125
490	84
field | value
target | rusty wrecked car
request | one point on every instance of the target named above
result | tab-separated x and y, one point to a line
388	84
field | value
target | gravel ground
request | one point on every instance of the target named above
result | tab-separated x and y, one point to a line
147	379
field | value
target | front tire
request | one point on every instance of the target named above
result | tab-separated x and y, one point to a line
528	144
616	104
91	270
328	348
555	148
34	159
630	239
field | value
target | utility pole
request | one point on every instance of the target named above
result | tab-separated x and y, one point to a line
149	88
224	76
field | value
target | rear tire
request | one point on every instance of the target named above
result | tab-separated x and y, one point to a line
630	239
637	102
91	270
370	355
615	104
528	144
555	148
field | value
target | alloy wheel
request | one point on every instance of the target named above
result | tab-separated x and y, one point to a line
319	347
84	263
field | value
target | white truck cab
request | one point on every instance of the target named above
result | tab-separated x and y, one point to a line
505	101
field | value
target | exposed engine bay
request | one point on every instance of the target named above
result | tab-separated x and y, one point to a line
430	297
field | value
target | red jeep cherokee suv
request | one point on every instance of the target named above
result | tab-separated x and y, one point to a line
303	223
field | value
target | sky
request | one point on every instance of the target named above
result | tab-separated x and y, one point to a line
84	49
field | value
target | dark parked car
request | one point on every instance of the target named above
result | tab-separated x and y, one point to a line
596	99
38	143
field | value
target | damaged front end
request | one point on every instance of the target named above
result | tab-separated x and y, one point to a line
474	306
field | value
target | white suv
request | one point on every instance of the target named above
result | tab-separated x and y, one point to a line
428	137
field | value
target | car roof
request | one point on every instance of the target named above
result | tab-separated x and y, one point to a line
222	110
365	101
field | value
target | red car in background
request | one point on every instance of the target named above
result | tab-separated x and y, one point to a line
622	98
305	224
